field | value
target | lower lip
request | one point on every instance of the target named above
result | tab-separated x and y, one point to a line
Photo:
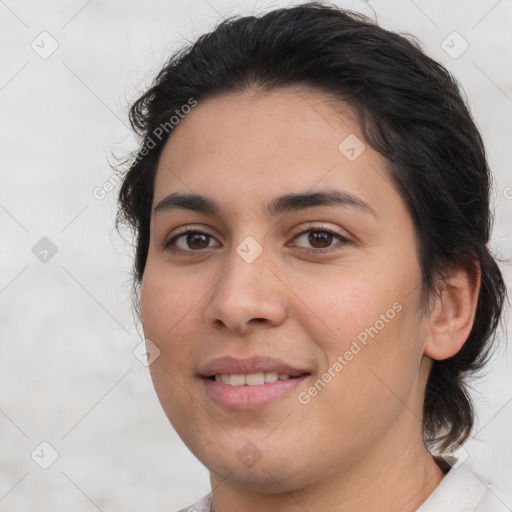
250	397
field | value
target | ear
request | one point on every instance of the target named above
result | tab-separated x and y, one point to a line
453	313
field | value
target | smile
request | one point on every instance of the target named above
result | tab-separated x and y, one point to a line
251	379
240	394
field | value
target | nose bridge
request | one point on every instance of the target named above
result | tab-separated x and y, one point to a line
247	290
246	275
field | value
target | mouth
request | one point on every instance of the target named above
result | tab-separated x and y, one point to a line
252	379
253	367
244	384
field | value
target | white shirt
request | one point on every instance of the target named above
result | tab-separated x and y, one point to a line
461	490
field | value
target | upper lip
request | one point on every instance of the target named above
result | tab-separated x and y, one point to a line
236	366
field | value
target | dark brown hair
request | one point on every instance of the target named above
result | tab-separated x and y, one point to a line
411	111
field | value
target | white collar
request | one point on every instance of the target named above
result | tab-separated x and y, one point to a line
460	490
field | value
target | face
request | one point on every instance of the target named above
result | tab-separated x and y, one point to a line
320	292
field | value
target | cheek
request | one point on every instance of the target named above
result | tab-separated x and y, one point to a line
171	313
167	305
366	324
348	304
167	311
374	366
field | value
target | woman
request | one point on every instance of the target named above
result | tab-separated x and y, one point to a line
311	207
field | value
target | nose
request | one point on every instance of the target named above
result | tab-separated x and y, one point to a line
247	295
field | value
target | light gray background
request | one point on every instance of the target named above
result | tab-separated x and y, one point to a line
67	372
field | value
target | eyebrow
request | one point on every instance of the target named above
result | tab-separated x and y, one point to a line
286	203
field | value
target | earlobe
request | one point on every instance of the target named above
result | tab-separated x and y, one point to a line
454	312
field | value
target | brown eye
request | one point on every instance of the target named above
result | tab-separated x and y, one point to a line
189	241
320	238
197	240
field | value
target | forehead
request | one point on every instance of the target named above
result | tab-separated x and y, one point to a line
245	147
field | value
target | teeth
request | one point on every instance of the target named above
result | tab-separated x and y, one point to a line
271	376
254	379
237	380
251	379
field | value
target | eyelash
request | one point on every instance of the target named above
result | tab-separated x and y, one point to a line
168	245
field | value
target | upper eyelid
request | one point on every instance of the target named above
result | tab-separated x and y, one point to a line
309	227
300	231
189	229
305	229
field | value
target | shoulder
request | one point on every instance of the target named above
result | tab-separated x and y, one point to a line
203	505
463	490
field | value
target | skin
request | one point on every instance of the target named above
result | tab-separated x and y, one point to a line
357	445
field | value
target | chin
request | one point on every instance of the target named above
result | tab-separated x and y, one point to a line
271	474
